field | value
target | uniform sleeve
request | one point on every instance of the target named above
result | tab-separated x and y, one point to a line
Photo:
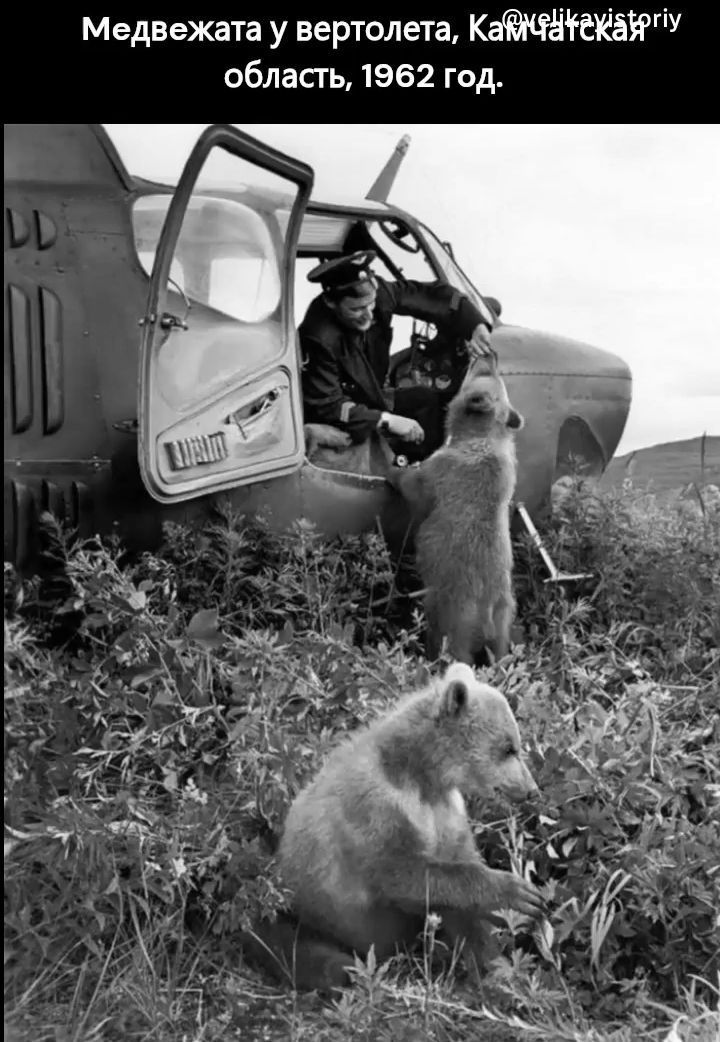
324	398
434	302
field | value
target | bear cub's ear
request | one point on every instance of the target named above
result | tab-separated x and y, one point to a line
515	421
455	690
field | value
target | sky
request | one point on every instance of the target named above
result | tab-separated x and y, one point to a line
608	233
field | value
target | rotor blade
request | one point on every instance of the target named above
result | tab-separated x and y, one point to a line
386	178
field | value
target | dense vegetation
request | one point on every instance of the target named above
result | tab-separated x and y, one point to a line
160	714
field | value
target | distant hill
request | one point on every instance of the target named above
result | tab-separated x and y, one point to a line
666	467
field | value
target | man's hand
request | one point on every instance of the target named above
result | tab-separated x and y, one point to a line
479	343
404	428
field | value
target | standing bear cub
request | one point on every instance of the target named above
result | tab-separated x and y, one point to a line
460	501
381	836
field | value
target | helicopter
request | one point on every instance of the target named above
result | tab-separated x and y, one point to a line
152	362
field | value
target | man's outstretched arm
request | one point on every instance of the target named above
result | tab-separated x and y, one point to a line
434	302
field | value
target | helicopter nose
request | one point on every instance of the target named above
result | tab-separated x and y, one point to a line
528	350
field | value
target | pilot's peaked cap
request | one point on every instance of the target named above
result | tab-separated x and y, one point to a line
349	276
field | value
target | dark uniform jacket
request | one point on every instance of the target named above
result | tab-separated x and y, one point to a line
344	370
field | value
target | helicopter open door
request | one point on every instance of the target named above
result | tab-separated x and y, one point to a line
219	390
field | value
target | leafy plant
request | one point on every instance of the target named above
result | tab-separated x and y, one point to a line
162	712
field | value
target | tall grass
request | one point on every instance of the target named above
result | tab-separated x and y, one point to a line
162	714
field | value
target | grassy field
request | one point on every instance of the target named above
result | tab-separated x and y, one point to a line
161	713
673	465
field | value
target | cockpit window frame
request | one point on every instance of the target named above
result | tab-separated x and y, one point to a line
479	301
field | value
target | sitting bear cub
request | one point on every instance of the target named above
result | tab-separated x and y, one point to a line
381	836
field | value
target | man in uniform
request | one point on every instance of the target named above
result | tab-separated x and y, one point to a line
345	339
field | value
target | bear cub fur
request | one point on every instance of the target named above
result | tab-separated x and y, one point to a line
460	502
381	836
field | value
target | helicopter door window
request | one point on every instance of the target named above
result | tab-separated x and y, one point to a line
224	288
243	285
229	299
